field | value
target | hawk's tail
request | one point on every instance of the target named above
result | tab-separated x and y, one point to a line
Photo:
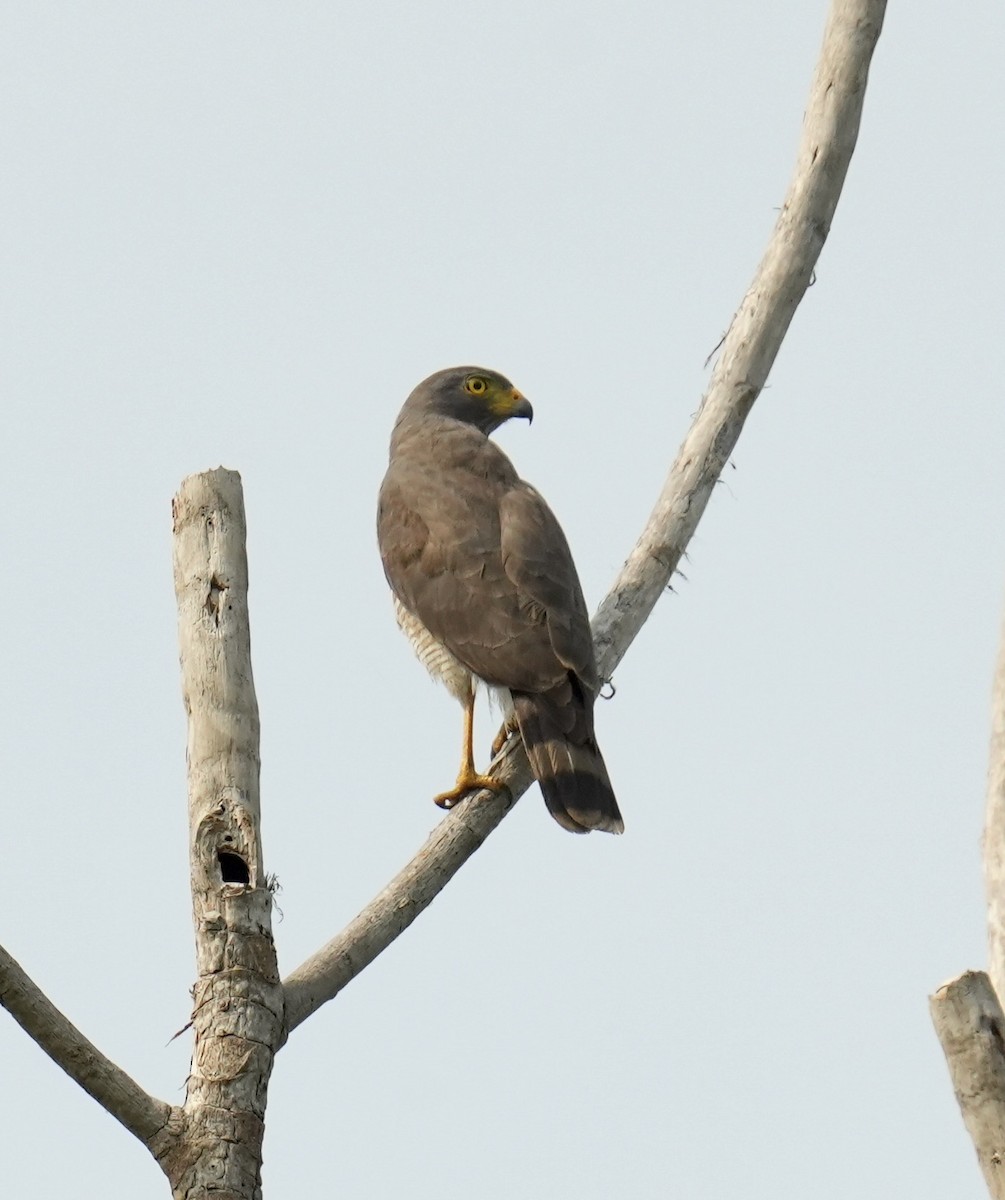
572	775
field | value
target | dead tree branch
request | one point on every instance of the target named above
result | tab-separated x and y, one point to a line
145	1117
967	1012
830	131
971	1028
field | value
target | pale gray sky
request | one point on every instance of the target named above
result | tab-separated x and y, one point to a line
239	234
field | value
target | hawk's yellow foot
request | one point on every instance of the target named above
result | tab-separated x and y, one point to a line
468	782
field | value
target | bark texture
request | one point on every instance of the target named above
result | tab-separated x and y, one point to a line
971	1028
238	1001
830	131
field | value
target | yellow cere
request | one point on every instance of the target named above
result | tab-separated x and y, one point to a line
505	401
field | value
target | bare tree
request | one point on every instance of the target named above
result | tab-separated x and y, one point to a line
243	1013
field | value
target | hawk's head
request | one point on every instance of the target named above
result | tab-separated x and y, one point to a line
474	395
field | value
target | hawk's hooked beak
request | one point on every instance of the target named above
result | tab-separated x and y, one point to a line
521	406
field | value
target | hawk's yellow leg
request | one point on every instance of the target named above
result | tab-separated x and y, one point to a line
468	779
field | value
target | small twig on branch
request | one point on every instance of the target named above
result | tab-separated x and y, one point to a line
143	1115
830	130
971	1028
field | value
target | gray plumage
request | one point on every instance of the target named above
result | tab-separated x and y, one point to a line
485	583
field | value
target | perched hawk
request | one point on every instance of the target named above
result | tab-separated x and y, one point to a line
485	587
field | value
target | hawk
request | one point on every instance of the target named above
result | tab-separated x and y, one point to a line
486	590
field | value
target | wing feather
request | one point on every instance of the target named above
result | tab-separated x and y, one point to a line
536	556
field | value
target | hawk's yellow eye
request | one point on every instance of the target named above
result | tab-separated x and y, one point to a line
475	385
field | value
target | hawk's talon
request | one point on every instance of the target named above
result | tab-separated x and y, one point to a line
468	783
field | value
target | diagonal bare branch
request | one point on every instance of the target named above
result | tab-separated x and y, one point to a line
143	1115
447	849
830	131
